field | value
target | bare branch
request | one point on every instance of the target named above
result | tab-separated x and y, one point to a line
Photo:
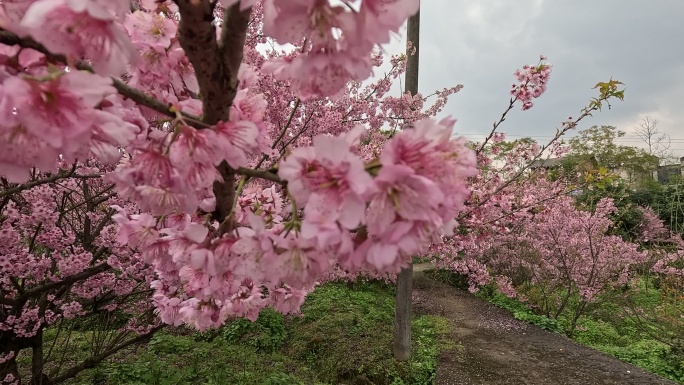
496	125
657	142
93	361
51	179
85	274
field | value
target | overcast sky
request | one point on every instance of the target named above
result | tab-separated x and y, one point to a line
480	43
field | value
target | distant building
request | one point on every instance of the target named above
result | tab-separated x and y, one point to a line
668	173
663	174
554	163
546	164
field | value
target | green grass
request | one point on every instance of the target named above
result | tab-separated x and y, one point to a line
343	337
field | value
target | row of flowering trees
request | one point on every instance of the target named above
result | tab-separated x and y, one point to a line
159	165
563	256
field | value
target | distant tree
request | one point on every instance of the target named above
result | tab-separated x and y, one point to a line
657	142
506	146
513	150
600	144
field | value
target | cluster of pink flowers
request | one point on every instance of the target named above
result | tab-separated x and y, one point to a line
44	243
50	114
538	235
345	197
495	212
652	228
574	247
338	215
667	260
51	117
339	38
532	83
75	28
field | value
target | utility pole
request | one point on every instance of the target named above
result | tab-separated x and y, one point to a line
403	298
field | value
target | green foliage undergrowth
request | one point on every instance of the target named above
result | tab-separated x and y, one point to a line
344	336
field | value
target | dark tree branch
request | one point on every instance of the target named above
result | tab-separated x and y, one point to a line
134	94
197	36
7	301
233	36
261	174
287	124
93	361
51	179
85	274
216	66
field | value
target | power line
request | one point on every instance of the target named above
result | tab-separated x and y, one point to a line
622	139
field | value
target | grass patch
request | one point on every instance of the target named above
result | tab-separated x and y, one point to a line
343	337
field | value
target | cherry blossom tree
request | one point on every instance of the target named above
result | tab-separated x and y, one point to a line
152	147
662	317
517	214
61	265
565	257
507	187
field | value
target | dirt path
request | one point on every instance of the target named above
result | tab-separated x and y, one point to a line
493	348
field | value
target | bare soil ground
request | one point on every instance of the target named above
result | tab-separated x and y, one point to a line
493	348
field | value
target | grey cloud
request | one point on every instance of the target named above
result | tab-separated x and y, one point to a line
480	43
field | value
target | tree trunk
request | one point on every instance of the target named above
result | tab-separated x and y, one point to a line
402	310
402	315
37	362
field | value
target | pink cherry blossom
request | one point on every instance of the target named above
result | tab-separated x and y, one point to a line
381	17
61	107
77	28
321	73
237	141
150	30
